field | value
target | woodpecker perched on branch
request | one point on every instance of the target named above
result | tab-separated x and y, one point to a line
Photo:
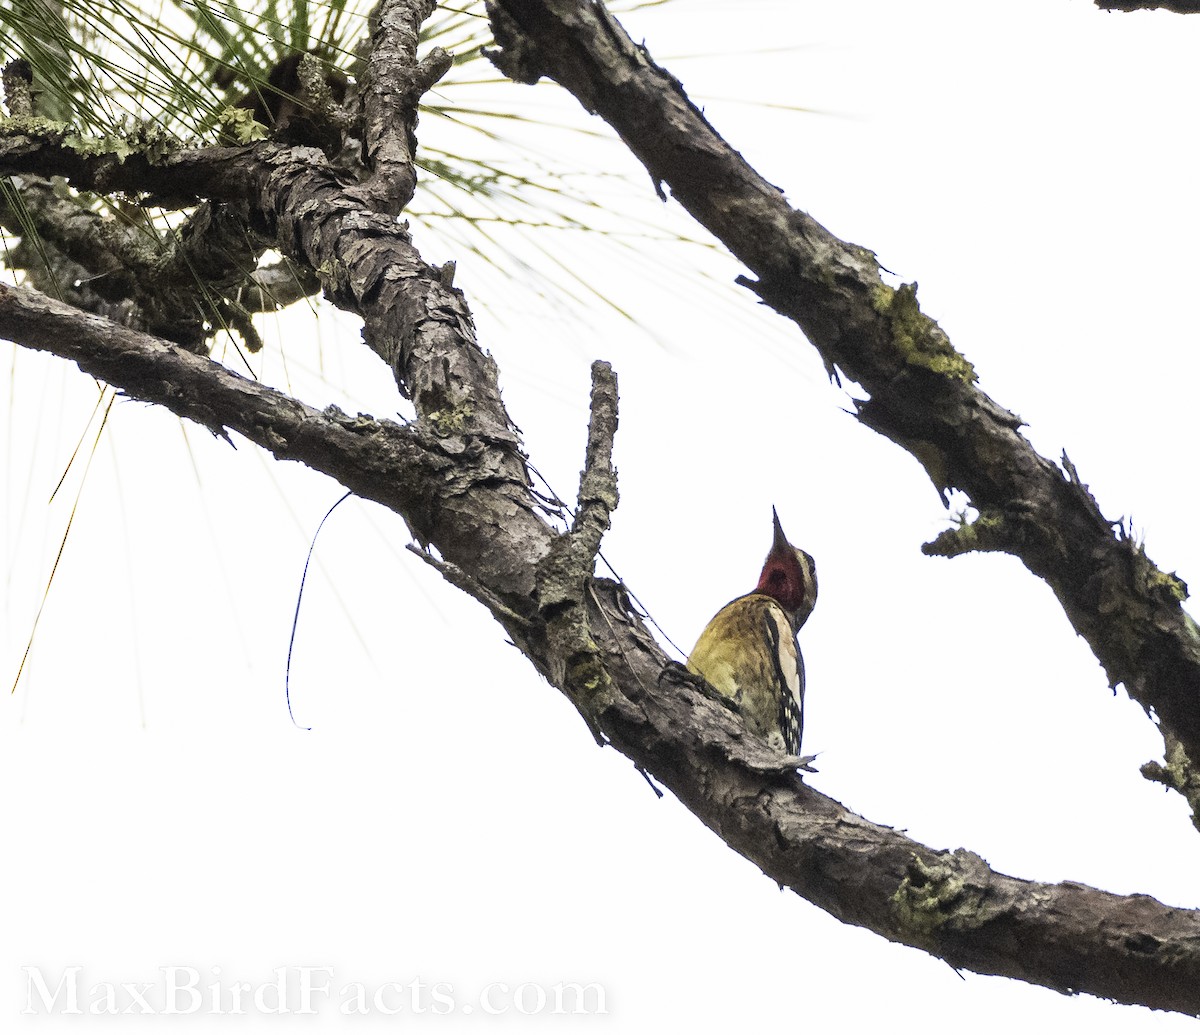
748	652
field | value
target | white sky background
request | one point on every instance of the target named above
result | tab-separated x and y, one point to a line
449	817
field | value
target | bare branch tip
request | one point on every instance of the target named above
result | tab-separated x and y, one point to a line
987	533
598	494
602	427
432	68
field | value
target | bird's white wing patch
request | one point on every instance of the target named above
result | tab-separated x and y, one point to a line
789	672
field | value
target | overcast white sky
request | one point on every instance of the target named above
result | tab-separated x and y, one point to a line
449	818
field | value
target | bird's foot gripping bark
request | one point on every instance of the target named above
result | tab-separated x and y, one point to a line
763	754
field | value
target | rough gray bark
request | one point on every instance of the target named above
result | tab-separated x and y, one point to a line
393	86
458	477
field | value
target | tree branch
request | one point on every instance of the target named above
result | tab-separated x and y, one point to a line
379	460
922	391
565	573
392	89
1178	6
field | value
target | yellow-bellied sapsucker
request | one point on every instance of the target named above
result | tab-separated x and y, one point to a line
748	652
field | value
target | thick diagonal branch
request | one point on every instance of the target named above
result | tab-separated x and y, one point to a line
922	392
1067	936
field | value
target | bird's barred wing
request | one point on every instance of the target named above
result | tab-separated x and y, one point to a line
789	675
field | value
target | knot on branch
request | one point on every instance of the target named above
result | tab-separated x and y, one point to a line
565	573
